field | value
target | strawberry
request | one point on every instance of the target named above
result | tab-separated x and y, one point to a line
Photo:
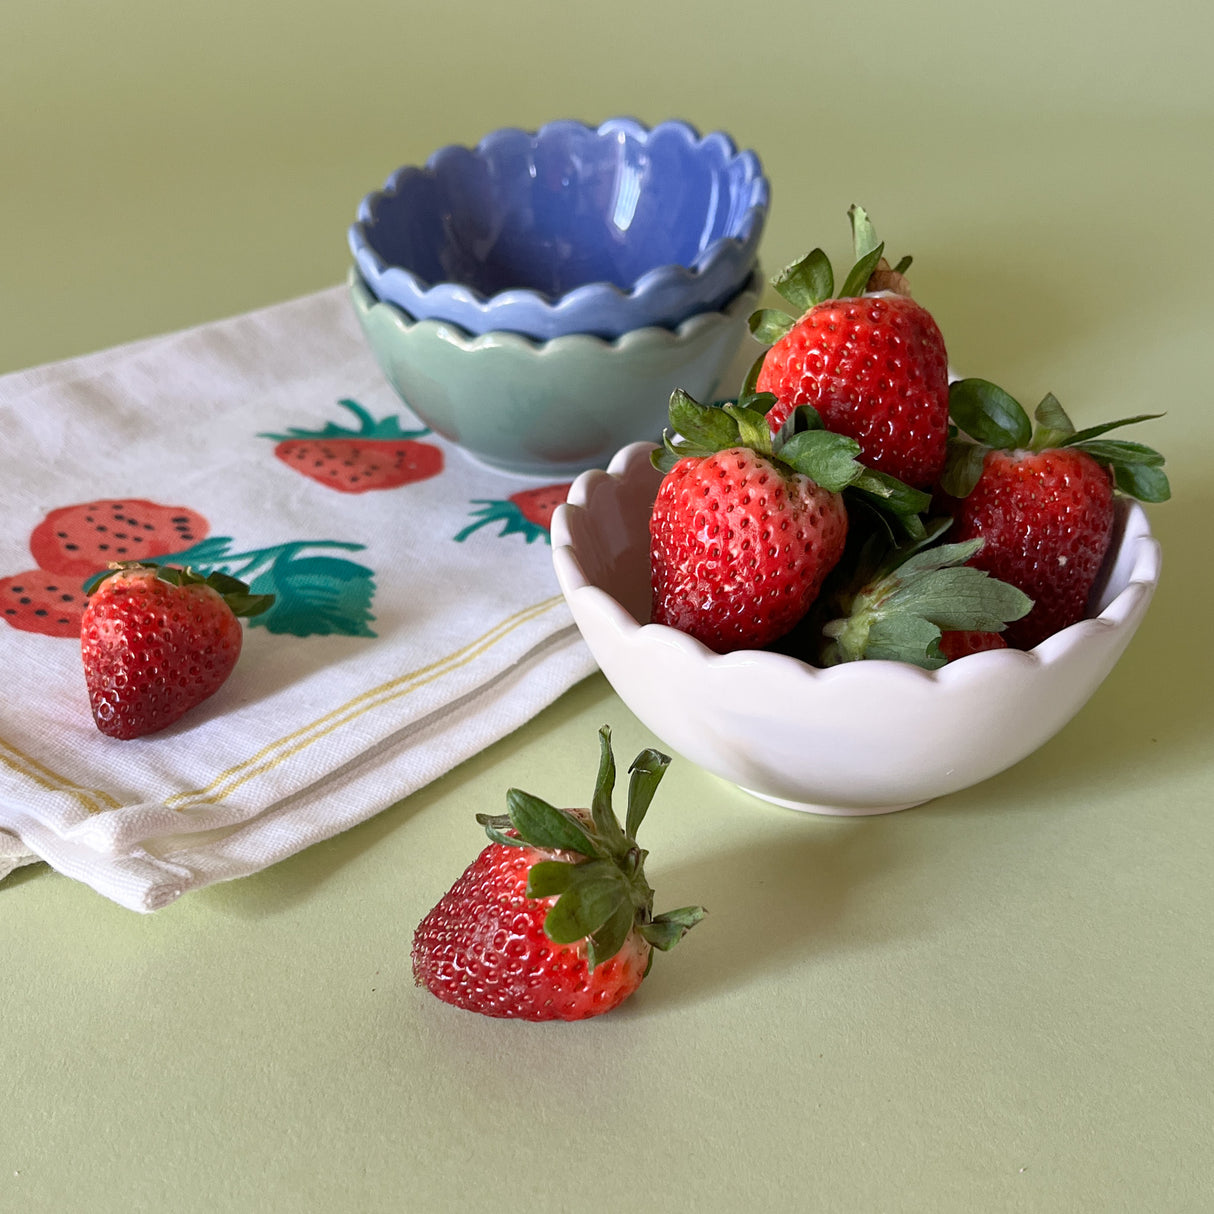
377	455
958	644
37	601
528	512
747	525
873	365
554	919
1041	498
157	640
78	541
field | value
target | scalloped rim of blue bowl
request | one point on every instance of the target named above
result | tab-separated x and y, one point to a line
714	276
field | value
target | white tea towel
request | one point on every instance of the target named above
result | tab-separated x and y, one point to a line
416	620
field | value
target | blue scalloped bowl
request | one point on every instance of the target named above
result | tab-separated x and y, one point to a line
571	229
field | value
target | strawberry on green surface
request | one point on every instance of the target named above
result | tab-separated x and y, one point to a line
747	524
554	919
868	358
376	455
1041	498
80	540
156	641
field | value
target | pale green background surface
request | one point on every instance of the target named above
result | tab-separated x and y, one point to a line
1000	1001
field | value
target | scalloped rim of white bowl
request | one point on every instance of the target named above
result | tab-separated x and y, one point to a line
1131	573
373	266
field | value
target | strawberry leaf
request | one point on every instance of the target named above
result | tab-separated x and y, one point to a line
1142	481
1082	436
704	426
753	430
543	825
605	823
857	281
768	325
496	826
962	466
863	236
899	616
1054	427
988	414
666	930
904	264
597	890
604	943
827	458
549	878
805	283
1117	451
645	775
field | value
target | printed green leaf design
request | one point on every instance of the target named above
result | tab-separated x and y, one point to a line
314	594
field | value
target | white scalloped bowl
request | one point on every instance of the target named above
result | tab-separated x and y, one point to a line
862	738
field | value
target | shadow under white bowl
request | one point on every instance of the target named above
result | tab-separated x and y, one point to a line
862	738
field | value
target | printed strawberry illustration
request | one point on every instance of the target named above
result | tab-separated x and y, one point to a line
42	602
868	357
554	919
376	455
1041	498
747	524
528	512
79	540
156	641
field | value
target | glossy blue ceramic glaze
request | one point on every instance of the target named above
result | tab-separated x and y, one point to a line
571	229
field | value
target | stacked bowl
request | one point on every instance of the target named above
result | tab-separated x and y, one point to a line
536	299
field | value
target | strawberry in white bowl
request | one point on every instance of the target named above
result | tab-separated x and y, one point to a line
860	737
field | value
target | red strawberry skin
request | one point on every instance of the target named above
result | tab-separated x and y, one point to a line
152	651
483	948
1046	519
738	549
959	644
46	603
354	465
83	539
876	369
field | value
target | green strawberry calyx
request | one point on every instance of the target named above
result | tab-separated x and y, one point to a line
386	429
987	418
235	593
918	593
802	445
601	891
811	281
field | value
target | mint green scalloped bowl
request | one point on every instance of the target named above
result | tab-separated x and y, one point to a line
548	408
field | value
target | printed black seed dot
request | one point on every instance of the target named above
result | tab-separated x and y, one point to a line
24	599
61	535
64	598
40	611
10	611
